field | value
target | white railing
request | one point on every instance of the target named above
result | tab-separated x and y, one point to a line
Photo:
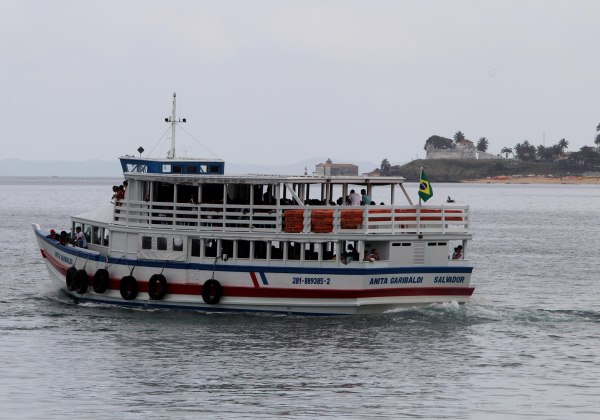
294	219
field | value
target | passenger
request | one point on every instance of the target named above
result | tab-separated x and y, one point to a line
354	198
52	234
353	253
63	238
375	254
340	201
365	199
80	238
120	192
367	256
114	196
457	253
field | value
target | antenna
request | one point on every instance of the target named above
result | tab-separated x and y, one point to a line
173	121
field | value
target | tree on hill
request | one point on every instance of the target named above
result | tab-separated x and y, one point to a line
597	140
438	142
525	151
458	137
482	144
548	154
586	156
563	144
506	151
385	167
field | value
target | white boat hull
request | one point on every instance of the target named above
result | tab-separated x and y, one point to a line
315	290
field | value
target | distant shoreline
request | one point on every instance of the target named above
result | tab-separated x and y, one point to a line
574	180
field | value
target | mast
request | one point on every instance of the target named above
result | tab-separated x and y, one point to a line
173	121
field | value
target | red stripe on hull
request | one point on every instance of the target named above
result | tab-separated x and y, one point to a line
254	279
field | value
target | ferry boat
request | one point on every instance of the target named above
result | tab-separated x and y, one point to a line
186	235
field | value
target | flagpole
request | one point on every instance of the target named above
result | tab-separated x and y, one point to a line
420	176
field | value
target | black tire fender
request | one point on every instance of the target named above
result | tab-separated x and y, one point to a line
70	278
81	282
212	291
101	280
157	287
129	287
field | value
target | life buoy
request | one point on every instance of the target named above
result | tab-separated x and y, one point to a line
70	278
212	291
129	287
157	287
81	282
101	280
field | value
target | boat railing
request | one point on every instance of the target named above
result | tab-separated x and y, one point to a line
294	219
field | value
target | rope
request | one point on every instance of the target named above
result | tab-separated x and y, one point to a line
198	141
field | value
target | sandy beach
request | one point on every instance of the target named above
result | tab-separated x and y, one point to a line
538	180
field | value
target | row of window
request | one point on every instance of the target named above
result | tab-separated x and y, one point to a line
94	234
260	250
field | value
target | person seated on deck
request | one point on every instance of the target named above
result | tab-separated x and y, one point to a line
52	234
375	254
364	198
368	257
63	239
354	198
457	255
352	253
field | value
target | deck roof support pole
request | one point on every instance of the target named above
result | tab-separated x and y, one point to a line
294	195
405	194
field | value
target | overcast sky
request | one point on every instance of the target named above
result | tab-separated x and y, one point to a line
283	81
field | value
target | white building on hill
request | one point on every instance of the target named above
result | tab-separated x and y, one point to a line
465	149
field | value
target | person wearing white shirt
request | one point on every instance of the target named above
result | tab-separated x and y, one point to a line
354	198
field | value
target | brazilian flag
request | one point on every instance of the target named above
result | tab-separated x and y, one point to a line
425	190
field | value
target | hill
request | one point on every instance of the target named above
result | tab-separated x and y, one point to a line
456	170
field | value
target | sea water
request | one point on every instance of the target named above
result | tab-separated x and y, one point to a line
526	346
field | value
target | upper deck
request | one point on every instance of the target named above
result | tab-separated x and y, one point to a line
278	205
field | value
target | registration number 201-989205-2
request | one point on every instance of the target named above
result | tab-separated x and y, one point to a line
311	280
